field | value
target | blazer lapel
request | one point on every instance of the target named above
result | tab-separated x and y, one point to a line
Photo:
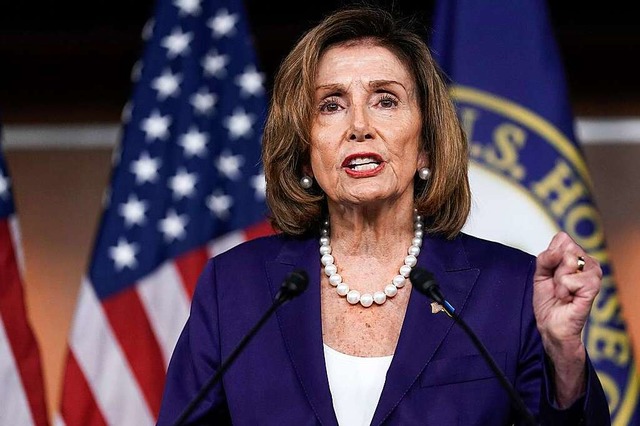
423	332
301	326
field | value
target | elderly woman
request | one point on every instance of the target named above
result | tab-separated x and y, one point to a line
366	168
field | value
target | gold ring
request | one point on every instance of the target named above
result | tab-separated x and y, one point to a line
581	264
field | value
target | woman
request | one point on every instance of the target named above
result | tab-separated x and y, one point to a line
366	168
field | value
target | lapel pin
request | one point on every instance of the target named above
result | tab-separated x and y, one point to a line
436	307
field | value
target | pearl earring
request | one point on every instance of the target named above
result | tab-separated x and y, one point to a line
306	182
424	173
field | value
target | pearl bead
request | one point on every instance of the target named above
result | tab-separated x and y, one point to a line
405	270
416	241
330	269
390	290
366	300
414	251
326	259
398	281
325	241
410	261
353	297
335	279
379	297
418	225
419	233
325	250
342	289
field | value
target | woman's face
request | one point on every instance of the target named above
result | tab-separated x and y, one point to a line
366	131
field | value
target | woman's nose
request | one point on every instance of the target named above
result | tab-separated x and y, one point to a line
361	128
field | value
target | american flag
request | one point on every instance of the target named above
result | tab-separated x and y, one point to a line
22	399
186	184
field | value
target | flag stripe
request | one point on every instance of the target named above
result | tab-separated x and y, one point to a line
16	410
16	326
130	325
76	385
189	266
104	365
166	304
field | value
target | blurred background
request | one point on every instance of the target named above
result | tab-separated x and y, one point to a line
65	78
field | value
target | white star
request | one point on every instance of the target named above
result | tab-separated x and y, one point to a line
124	254
203	101
136	71
229	165
214	64
145	168
147	30
260	185
177	43
182	184
188	7
173	226
194	143
156	126
133	211
239	124
219	204
222	24
167	84
4	186
250	82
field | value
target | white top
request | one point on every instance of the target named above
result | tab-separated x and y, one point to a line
356	384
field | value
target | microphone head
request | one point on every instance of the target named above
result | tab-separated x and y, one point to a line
295	283
424	281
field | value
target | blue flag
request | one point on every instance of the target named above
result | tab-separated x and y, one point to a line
528	174
186	184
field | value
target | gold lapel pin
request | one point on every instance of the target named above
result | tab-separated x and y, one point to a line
436	307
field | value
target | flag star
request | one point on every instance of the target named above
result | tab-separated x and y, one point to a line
214	64
133	211
124	254
167	84
239	124
229	165
4	185
183	184
250	82
203	101
260	185
173	226
188	7
136	71
223	23
145	168
156	126
220	204
194	143
177	43
147	30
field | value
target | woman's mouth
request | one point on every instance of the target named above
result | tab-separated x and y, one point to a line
363	164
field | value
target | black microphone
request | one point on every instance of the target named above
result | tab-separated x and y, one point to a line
424	281
293	285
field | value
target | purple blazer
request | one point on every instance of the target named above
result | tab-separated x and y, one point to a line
437	376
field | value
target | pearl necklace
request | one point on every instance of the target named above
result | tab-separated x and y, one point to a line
379	297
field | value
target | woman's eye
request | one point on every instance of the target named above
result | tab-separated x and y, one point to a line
388	101
329	105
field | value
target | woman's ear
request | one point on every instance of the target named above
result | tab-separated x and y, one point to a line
307	170
423	159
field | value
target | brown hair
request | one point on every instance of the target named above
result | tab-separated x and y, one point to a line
444	200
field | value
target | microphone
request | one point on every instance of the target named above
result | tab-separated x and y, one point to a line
424	281
293	285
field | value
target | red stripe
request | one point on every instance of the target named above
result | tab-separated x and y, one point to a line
21	338
77	407
259	230
131	327
190	266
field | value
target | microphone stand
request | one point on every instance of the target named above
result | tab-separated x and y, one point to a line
292	286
